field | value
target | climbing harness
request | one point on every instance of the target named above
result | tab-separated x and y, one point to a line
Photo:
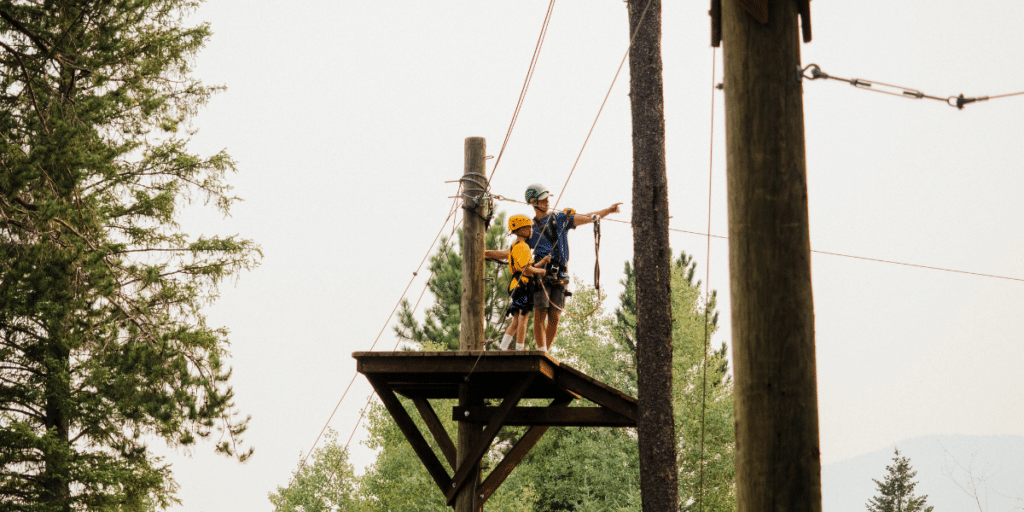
597	272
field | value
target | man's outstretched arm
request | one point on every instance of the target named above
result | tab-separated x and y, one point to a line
586	218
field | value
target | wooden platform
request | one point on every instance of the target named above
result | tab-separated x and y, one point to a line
478	375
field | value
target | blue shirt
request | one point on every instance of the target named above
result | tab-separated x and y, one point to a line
558	229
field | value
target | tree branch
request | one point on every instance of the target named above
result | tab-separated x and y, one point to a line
24	30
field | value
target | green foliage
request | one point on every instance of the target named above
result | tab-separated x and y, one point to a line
896	491
587	469
441	322
398	481
102	336
605	348
326	483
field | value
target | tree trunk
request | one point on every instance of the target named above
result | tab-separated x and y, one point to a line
777	451
653	257
56	453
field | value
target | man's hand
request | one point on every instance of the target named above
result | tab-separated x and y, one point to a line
581	219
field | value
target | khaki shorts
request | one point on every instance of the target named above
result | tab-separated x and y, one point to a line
555	291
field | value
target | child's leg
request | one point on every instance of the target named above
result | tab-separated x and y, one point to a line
510	332
521	320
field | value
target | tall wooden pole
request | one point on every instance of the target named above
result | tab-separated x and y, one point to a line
653	259
778	463
474	186
471	328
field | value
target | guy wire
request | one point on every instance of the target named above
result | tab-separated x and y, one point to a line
707	283
877	260
526	85
632	38
451	212
370	398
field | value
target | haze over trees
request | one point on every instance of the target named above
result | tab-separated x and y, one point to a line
104	346
571	468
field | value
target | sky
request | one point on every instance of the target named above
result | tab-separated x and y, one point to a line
348	120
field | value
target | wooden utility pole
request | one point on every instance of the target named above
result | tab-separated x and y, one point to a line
471	328
778	463
653	259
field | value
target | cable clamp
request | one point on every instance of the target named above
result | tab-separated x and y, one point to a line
960	101
815	72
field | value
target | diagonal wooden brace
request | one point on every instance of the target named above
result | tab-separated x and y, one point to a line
585	388
436	429
483	443
517	454
412	433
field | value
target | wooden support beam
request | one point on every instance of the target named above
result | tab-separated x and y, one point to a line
517	454
600	394
473	376
483	441
412	433
444	441
531	416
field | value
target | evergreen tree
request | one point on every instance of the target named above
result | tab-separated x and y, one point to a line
586	468
102	337
605	348
896	492
441	323
325	484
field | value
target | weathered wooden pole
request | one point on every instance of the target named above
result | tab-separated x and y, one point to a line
653	259
778	463
471	328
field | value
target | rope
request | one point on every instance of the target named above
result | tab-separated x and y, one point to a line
632	38
370	398
707	286
451	212
814	72
720	237
526	85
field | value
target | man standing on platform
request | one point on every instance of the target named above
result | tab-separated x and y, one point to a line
549	238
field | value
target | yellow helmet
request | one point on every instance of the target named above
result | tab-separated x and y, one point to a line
517	221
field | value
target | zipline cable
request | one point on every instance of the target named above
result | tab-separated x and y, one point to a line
707	284
370	398
814	72
526	85
597	233
632	38
451	212
877	260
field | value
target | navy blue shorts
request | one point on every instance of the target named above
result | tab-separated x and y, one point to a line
521	301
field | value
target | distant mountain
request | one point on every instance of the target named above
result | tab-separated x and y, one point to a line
997	463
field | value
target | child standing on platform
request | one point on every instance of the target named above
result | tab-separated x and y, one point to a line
521	288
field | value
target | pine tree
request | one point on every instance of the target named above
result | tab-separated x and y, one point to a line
896	492
441	323
103	343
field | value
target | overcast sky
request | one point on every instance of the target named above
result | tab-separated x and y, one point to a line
347	118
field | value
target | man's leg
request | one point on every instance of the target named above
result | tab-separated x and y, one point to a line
552	327
556	298
539	321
